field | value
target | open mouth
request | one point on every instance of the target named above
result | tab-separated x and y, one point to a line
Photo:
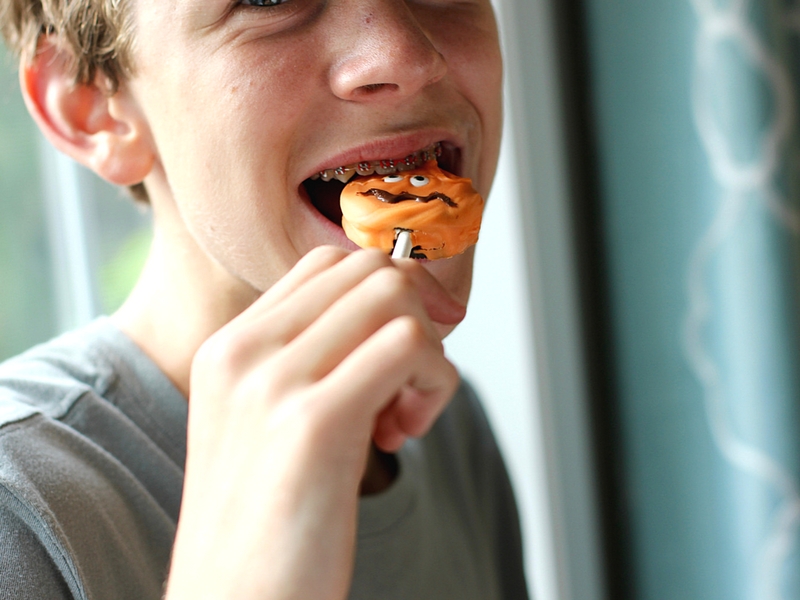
325	188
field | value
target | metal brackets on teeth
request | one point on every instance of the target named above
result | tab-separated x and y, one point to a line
381	167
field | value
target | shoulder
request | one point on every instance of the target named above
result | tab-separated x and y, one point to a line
473	474
28	571
92	386
76	517
91	458
463	461
464	431
38	391
50	377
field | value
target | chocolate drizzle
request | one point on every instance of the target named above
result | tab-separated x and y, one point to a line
390	198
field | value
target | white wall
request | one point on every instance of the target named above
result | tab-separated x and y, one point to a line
520	343
493	349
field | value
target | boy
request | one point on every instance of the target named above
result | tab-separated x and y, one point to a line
307	364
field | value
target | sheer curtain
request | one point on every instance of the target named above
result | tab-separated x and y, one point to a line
696	127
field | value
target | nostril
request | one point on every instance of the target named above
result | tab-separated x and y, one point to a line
372	88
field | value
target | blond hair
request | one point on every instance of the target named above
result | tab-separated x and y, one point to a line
96	34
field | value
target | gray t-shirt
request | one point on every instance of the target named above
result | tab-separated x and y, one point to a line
92	447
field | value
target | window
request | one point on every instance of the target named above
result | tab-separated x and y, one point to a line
71	245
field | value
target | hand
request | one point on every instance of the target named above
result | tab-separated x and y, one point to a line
286	401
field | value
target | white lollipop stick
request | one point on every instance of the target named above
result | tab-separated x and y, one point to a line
402	245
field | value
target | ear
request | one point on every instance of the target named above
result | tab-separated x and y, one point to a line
106	133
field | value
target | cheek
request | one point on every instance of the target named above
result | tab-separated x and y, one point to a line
482	82
227	177
477	70
265	91
471	46
240	107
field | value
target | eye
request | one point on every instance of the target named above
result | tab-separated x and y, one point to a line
393	178
273	16
419	180
262	3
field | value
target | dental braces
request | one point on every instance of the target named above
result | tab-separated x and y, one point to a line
381	167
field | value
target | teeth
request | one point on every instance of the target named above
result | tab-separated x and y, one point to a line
410	161
382	167
343	175
365	168
386	167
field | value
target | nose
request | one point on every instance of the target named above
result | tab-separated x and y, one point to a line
384	54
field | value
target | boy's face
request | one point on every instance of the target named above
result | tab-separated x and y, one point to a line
245	103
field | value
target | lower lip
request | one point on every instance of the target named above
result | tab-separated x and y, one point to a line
333	234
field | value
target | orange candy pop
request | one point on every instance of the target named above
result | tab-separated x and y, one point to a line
441	212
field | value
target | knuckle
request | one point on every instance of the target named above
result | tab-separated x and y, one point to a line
210	352
417	423
451	377
375	256
313	419
319	422
281	373
391	282
409	332
370	260
326	254
224	350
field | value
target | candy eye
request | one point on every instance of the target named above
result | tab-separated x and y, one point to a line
393	178
419	180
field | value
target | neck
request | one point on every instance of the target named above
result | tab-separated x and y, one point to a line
177	304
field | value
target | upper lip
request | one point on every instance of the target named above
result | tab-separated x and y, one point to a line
396	147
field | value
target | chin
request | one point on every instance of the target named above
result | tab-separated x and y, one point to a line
455	273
